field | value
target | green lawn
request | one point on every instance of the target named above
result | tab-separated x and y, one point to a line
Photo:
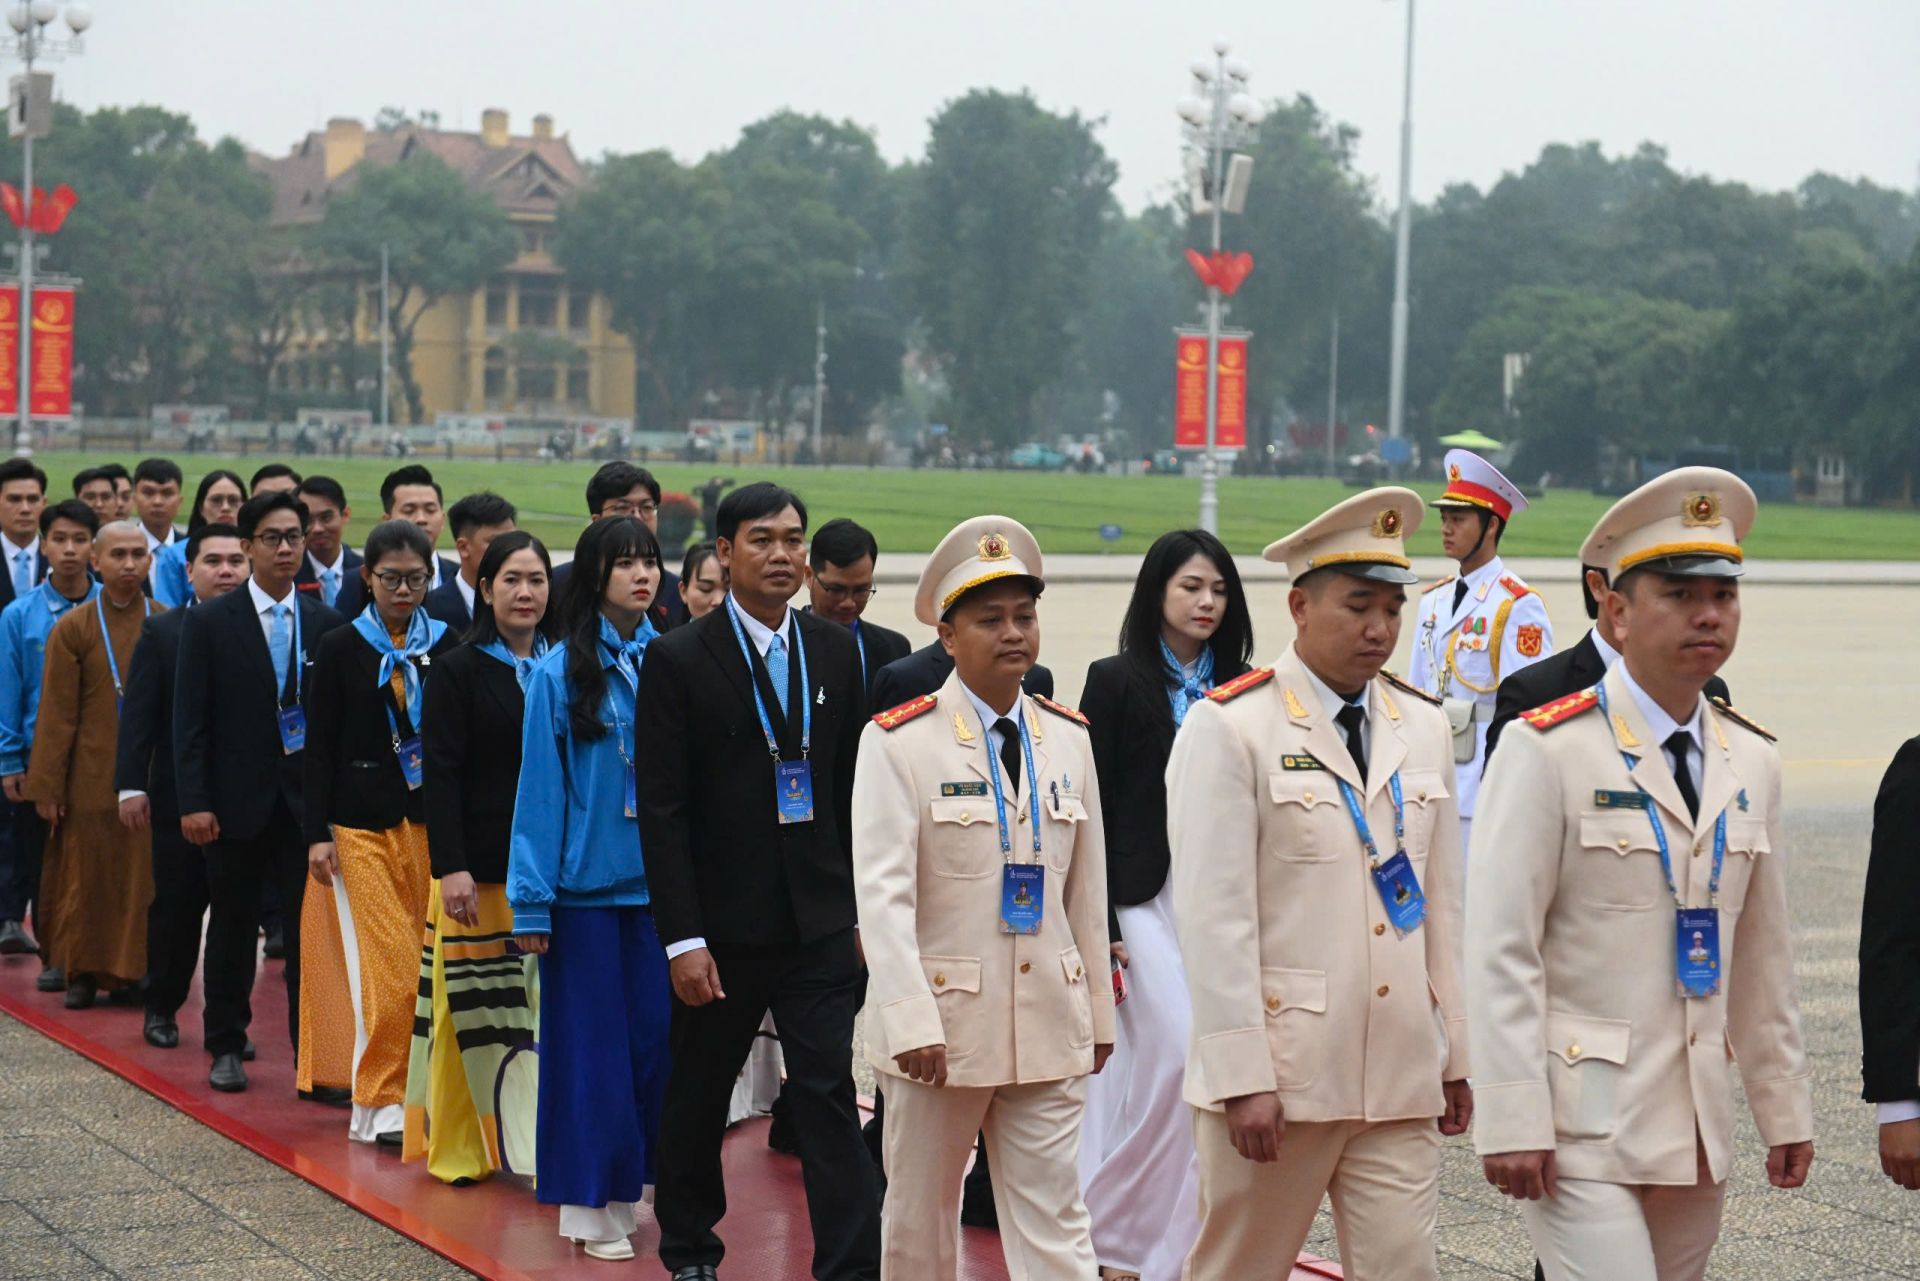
911	510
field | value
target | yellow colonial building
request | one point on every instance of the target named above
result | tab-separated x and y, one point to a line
527	345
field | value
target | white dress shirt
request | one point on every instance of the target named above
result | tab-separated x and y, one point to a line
153	550
995	739
1608	654
466	592
1664	727
320	571
263	605
1331	702
13	551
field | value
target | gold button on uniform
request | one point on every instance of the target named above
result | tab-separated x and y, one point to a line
1573	1051
1076	971
1273	1002
1383	990
965	817
1307	797
939	980
1026	967
1379	929
1622	842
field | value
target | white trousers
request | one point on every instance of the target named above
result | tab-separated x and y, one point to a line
1625	1232
1137	1165
1033	1139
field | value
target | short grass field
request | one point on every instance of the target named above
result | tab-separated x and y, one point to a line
909	511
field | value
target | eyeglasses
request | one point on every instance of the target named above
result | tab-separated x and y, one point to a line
280	537
393	582
839	591
621	507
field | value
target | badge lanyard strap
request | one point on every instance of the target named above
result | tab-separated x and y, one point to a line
1360	819
1660	831
1033	798
806	704
293	661
113	664
620	727
860	643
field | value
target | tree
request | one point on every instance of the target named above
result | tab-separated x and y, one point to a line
442	238
1124	350
1885	221
1002	230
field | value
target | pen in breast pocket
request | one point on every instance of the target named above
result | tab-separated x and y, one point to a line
1055	789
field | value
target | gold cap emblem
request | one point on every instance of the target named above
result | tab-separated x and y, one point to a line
1453	474
994	547
1700	509
1387	523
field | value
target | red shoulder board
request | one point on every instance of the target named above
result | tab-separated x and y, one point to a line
1240	685
894	717
1726	709
1515	587
1412	689
1561	709
1061	709
1436	586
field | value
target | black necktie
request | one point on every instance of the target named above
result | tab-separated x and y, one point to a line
1459	593
1679	744
1009	748
1351	718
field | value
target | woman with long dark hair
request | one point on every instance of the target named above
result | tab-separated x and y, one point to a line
578	891
467	1114
1187	629
365	812
216	502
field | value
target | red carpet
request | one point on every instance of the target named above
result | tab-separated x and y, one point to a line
495	1229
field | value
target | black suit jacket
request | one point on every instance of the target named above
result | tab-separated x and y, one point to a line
667	612
308	581
1890	937
925	670
143	760
353	777
1556	676
719	863
353	598
474	709
226	734
447	604
1130	722
39	575
883	645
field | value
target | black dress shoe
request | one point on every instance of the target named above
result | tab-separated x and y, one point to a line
162	1032
333	1096
275	948
81	991
696	1272
228	1075
390	1138
247	1052
52	979
14	940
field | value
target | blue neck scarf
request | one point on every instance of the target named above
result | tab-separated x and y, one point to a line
423	634
522	667
1186	692
626	655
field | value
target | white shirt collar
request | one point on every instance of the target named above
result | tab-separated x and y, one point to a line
758	633
1608	654
13	549
153	542
339	561
261	601
1331	702
466	592
1482	576
1660	725
988	716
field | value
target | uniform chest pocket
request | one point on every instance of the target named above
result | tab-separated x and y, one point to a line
1747	843
1421	792
1309	814
1065	814
1619	867
957	848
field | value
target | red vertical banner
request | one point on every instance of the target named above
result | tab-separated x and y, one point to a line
1231	430
9	350
51	395
1190	391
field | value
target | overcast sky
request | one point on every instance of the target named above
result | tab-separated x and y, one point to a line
1762	91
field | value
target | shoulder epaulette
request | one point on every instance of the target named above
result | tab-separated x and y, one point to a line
1415	690
894	717
1435	586
1561	709
1240	684
1061	709
1726	709
1515	587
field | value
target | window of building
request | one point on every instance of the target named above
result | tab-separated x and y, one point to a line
579	311
533	240
494	377
539	303
577	384
496	306
538	384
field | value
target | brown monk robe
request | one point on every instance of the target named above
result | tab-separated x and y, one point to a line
98	876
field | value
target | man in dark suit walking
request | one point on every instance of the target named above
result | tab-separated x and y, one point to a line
329	563
239	732
753	716
408	493
476	521
840	564
1890	968
143	775
621	489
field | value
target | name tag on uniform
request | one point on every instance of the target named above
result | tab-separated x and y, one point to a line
1023	897
1400	894
793	791
410	764
1697	955
975	788
1301	762
1620	800
293	730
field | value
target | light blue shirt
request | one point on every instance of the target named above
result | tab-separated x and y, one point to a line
24	628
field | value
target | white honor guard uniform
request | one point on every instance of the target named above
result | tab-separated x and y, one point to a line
1475	629
1018	1013
1301	983
1578	946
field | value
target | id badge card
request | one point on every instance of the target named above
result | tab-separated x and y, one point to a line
1697	956
410	762
633	790
1023	897
293	730
793	791
1400	894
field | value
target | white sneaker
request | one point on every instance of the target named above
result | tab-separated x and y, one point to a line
613	1251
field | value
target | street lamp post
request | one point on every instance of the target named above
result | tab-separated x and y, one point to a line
1402	236
29	20
1219	120
819	374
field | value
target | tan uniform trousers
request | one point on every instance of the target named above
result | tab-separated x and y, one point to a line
1383	1179
1626	1232
1033	1147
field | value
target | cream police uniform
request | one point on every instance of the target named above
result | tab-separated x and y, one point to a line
1465	642
1582	1044
1300	985
1019	1014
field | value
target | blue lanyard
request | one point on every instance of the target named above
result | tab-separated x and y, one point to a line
1660	830
860	643
1000	795
621	727
1360	819
806	704
106	638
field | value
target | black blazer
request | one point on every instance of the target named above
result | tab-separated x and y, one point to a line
719	863
39	576
925	670
1130	722
226	735
143	760
308	581
448	605
1556	676
474	709
668	609
883	645
353	778
353	597
1890	937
